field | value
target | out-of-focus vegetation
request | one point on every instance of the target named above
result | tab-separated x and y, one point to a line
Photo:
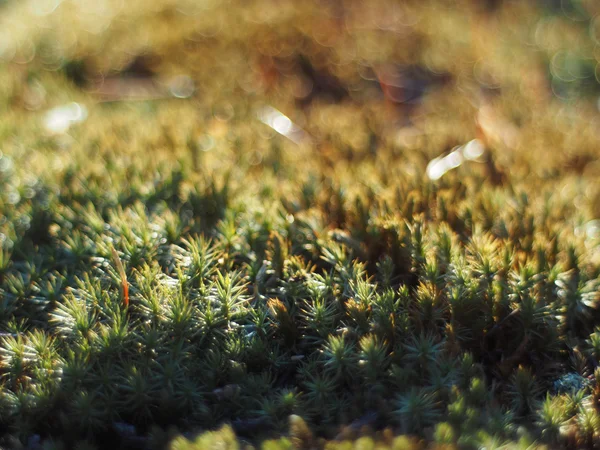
322	224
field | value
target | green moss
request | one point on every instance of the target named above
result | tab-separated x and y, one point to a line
342	225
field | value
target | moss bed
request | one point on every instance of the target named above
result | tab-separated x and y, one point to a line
318	224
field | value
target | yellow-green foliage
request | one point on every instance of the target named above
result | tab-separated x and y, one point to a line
223	439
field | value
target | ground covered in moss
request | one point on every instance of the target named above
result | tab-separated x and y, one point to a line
317	224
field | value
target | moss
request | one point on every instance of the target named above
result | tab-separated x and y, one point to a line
317	225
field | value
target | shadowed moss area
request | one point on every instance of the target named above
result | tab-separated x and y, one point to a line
318	224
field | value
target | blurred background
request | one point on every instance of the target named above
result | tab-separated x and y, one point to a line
521	78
